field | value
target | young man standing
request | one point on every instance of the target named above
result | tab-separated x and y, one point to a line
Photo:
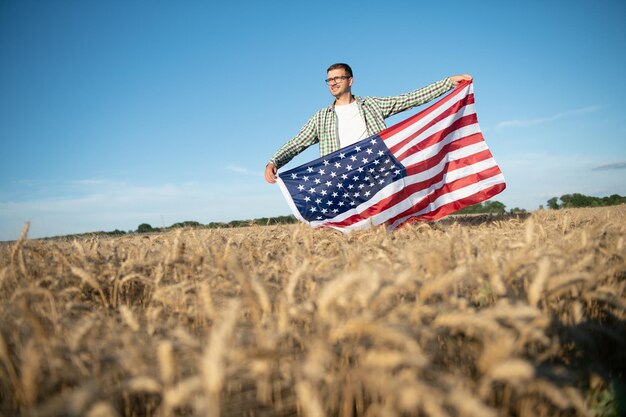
351	118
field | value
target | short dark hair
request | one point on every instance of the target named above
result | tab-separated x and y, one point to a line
340	65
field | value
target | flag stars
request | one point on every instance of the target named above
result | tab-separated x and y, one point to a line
355	178
353	158
329	203
342	155
366	194
323	192
348	167
307	198
364	160
380	153
312	190
369	151
294	176
344	176
333	174
318	201
313	209
335	194
317	180
357	148
376	162
326	162
301	187
305	178
337	165
322	172
356	195
309	169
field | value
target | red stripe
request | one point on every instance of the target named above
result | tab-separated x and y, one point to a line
452	110
413	188
453	206
470	119
390	131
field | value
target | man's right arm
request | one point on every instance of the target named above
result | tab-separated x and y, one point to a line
304	139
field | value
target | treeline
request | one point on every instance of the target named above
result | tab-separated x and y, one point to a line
581	200
263	221
146	228
489	207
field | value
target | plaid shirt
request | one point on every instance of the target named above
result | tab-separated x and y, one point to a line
322	127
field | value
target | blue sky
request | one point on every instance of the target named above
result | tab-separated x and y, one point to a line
118	113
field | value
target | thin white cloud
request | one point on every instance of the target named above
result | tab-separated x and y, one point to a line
88	182
243	170
610	167
540	120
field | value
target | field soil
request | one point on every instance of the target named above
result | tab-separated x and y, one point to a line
470	316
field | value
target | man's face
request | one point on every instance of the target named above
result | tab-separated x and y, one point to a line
341	86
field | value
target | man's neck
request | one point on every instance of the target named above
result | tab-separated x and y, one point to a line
344	99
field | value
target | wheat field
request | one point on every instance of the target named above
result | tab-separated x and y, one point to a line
484	316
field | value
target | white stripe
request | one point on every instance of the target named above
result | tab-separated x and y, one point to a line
453	196
436	128
407	131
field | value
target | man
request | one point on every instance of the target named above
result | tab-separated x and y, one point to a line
351	118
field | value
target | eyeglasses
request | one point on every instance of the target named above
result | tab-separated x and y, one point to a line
333	80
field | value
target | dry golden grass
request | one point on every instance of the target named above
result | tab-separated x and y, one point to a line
469	317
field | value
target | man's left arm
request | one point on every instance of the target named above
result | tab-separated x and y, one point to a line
396	104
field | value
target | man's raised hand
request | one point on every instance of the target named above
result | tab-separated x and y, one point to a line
456	79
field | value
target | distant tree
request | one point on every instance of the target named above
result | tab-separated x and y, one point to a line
517	210
188	223
553	203
144	228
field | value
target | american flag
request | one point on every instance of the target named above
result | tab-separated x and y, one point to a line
423	168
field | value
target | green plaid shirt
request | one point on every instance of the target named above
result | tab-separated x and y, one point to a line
322	127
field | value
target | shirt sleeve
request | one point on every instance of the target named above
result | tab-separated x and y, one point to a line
304	139
395	104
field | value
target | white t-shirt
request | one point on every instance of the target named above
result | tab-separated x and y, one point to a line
350	124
